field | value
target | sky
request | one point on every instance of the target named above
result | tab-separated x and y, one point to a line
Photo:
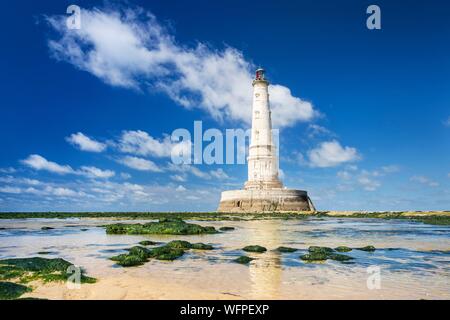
87	114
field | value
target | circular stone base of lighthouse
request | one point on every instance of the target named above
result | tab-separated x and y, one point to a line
268	200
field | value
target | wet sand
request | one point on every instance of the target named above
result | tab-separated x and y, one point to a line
413	258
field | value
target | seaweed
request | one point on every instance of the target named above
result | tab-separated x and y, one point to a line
10	290
243	260
321	250
254	248
226	228
201	246
367	248
147	243
286	249
164	226
166	253
437	218
320	254
37	268
343	249
138	255
340	257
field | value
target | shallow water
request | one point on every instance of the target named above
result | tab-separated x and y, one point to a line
414	258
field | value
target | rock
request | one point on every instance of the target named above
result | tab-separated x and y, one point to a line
180	244
147	243
315	256
129	260
367	248
164	226
343	249
37	268
243	260
9	290
323	250
226	228
201	246
187	245
286	249
138	255
340	257
166	253
254	248
325	253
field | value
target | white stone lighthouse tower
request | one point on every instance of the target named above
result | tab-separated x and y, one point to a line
263	190
262	160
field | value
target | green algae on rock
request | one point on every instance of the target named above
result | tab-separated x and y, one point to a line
166	253
243	260
339	257
343	249
138	255
254	248
286	249
163	226
322	250
324	253
314	256
147	243
367	248
10	290
201	246
179	244
37	268
226	228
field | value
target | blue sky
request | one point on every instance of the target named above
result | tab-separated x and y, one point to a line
364	115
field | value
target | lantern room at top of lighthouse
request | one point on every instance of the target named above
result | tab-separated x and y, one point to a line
260	74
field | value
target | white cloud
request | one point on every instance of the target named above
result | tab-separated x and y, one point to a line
8	170
424	180
331	154
315	130
344	175
26	181
179	178
186	168
130	49
45	191
85	143
219	174
180	188
139	164
125	175
94	172
368	183
141	143
38	162
8	189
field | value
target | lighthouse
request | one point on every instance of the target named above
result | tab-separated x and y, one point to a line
262	159
263	191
